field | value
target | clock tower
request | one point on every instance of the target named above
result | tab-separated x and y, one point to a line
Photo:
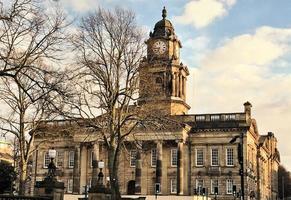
162	76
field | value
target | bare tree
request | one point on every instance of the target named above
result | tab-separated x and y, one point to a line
29	37
109	47
26	107
29	34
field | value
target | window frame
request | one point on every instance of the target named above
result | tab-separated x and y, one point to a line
212	185
226	157
214	165
46	158
229	181
174	159
173	189
132	158
196	157
71	155
58	159
154	157
197	185
69	189
91	158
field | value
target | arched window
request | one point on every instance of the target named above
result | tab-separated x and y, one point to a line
159	80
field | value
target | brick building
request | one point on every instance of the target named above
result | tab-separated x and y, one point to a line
181	159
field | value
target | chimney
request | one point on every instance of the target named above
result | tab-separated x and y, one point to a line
270	134
248	109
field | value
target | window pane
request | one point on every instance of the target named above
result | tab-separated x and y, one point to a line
71	159
199	186
47	160
70	186
132	158
91	159
154	157
60	158
174	157
214	157
199	157
229	184
214	183
229	157
173	185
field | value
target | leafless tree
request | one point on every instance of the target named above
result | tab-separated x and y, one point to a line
109	47
31	39
26	107
29	34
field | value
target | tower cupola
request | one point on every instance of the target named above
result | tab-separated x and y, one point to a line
164	27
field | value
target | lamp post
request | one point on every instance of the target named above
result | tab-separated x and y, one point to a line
50	186
52	167
241	161
100	174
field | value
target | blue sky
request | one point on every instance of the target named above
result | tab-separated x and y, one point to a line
236	50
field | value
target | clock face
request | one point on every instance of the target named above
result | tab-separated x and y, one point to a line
159	47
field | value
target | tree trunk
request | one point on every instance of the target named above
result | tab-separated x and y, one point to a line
22	178
113	173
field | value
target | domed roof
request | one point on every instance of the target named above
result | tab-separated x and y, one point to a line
163	27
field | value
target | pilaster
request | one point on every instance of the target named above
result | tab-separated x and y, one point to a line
76	171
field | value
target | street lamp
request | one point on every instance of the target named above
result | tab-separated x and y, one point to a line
241	160
100	175
50	186
52	167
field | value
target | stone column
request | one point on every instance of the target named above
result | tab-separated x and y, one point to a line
177	84
180	169
138	166
159	163
95	159
184	87
76	171
173	84
180	85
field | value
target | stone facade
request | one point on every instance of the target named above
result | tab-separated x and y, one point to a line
183	159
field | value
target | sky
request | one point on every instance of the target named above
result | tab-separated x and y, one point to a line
236	51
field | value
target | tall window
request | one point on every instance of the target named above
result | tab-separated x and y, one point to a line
132	158
174	157
229	157
70	186
154	157
71	159
46	160
214	184
60	158
199	157
229	184
91	158
89	182
214	117
214	157
173	185
199	185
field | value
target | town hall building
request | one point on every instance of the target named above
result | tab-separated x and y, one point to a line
202	156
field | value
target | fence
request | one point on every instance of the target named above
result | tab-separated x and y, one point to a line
12	197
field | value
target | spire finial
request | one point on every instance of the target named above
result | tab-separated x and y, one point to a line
164	13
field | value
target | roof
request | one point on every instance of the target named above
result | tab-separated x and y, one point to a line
6	157
164	27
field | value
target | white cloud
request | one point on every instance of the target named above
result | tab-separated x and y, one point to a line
243	69
79	6
201	13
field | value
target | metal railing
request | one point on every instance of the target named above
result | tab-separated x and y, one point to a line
12	197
